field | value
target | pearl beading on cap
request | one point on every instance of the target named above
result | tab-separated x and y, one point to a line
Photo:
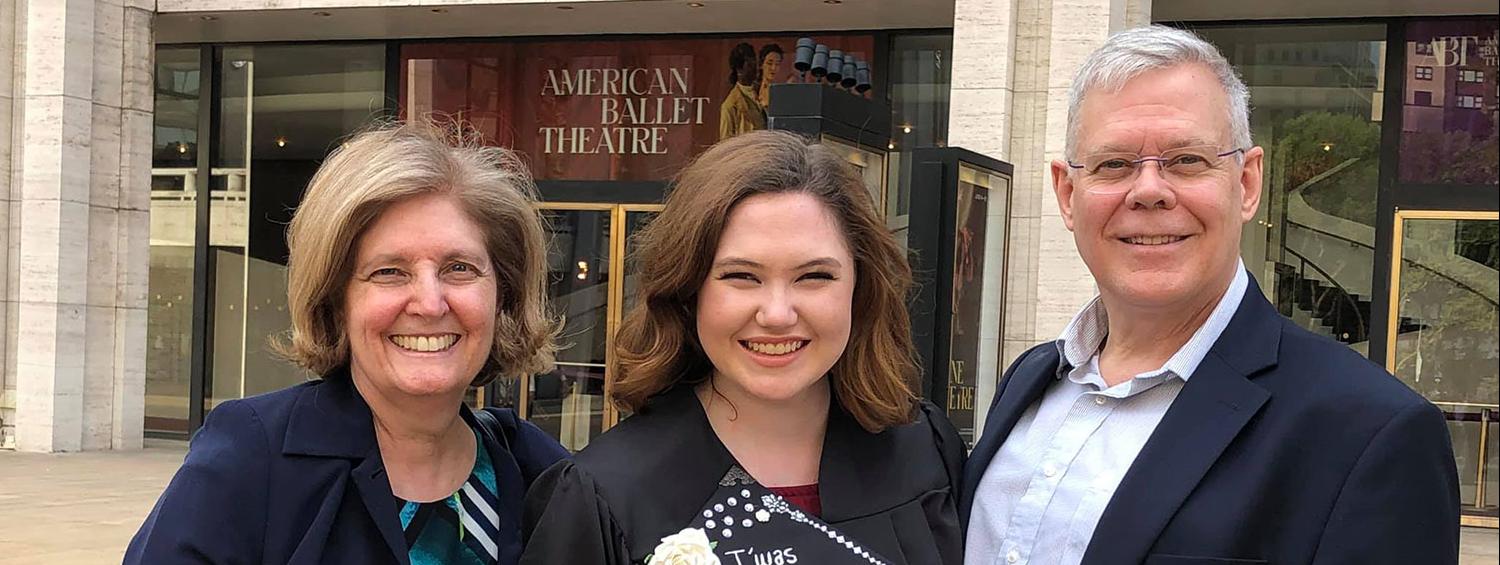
779	505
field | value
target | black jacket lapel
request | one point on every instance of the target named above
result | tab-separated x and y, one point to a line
1021	388
1213	407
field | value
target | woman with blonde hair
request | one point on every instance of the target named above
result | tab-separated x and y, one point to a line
417	271
770	369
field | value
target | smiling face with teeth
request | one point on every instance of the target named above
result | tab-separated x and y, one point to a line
774	314
420	306
1162	243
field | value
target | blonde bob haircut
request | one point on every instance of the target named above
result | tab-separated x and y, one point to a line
392	162
657	346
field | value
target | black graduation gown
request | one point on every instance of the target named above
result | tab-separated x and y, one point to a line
648	478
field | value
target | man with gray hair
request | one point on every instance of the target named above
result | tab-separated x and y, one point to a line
1179	418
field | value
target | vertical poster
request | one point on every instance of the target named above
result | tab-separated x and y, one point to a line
970	215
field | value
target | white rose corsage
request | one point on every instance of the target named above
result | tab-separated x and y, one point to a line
687	547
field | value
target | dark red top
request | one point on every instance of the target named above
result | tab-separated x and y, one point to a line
804	496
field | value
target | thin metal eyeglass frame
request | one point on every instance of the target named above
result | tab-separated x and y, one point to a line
1161	161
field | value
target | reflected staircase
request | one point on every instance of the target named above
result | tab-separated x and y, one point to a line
1314	301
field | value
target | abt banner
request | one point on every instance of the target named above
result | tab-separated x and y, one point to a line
630	109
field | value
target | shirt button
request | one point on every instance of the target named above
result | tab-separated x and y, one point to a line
1049	470
1012	557
1100	400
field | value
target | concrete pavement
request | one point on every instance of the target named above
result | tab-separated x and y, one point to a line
82	508
79	508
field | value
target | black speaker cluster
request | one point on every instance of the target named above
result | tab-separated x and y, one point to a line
839	69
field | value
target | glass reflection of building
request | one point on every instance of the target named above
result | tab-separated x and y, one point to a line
277	112
1449	112
1441	338
1377	225
1316	93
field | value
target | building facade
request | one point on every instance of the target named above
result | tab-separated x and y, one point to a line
133	304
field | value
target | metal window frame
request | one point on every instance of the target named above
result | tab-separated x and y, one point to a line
202	327
615	291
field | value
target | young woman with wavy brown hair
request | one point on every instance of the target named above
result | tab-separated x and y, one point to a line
769	366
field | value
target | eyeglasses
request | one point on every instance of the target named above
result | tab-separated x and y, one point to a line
1110	173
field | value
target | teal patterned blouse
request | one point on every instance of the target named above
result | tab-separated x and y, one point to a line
460	529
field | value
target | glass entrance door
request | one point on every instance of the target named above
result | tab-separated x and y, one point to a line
589	285
1445	270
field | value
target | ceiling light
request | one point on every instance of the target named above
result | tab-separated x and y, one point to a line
281	141
695	4
905	128
208	18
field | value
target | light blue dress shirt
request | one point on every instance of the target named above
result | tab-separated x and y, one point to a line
1042	495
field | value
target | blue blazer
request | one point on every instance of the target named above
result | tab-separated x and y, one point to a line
295	477
1284	447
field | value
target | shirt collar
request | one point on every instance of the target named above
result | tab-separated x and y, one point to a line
1081	339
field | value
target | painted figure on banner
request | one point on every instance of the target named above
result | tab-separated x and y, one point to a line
740	112
770	67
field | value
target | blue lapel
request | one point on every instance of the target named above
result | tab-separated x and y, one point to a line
1208	414
332	420
1019	389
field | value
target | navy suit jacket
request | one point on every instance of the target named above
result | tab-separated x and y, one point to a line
1283	447
295	477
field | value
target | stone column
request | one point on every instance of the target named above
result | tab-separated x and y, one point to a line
8	88
1013	61
79	224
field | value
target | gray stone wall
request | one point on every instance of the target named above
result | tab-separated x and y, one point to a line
1013	61
8	64
76	153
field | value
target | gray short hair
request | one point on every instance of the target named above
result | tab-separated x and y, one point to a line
1132	52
